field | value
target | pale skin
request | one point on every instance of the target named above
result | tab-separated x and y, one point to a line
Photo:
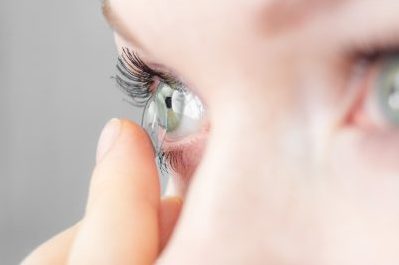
295	171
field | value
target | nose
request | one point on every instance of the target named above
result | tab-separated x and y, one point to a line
247	203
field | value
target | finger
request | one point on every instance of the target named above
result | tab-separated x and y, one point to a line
169	213
121	223
54	251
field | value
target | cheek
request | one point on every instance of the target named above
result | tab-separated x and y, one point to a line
358	194
371	153
365	169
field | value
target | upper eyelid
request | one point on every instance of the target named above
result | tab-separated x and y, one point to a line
154	69
135	77
133	60
353	36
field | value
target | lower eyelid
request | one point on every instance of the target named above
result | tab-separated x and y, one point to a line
361	84
364	112
184	157
187	142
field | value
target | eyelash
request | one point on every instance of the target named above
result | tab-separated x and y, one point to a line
135	78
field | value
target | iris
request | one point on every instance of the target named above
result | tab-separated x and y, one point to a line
388	89
172	114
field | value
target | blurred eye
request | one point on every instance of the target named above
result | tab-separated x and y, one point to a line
379	102
387	89
172	114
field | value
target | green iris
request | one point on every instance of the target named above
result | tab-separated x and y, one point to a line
388	89
170	102
172	113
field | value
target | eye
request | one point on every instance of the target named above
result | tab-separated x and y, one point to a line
172	114
379	102
387	88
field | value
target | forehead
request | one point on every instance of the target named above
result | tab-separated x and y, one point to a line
200	21
275	13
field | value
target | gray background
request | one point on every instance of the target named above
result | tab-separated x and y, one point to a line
56	59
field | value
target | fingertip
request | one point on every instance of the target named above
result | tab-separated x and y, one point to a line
130	132
128	165
108	136
123	203
136	131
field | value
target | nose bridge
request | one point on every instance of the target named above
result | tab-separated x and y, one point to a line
258	132
265	123
248	190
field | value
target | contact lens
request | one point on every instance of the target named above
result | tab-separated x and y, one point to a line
171	114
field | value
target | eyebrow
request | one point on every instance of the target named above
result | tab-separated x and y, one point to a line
282	15
118	26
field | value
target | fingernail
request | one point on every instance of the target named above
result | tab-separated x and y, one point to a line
108	136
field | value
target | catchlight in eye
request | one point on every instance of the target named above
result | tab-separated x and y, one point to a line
171	114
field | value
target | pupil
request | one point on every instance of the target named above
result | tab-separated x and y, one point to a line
168	102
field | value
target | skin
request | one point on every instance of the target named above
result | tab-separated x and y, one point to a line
124	206
298	167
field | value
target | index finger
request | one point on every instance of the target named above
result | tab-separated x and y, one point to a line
121	223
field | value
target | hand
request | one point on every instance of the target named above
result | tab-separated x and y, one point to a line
125	221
